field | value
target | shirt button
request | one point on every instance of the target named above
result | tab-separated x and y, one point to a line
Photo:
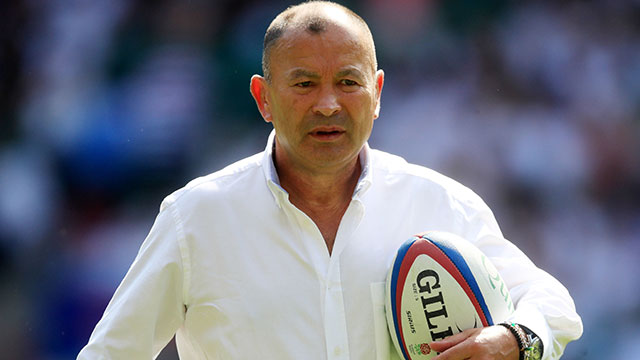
337	351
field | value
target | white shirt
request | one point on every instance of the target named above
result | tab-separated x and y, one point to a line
235	271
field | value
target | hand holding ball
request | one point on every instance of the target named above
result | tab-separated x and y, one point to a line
439	285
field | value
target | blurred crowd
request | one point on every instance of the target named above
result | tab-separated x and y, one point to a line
106	106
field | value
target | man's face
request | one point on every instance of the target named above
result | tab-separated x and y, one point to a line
322	98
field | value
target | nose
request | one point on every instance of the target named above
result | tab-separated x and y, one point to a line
327	103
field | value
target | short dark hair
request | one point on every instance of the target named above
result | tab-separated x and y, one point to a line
314	24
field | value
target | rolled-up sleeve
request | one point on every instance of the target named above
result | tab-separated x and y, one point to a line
148	306
541	302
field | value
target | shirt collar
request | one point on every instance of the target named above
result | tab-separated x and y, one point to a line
269	167
280	194
364	182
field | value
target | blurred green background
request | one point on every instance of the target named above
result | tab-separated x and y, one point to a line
106	106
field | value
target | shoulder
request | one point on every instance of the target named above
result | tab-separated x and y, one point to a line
421	180
237	178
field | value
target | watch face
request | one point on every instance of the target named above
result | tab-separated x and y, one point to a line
534	352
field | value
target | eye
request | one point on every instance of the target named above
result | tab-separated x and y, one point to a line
348	82
304	84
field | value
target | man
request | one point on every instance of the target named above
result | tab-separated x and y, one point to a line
283	255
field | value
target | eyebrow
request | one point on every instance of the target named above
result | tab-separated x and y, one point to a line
302	73
350	72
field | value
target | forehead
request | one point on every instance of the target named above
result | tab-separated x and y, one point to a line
334	45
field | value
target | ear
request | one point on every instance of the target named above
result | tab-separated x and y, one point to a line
259	90
379	84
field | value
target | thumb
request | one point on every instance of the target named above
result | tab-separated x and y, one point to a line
448	342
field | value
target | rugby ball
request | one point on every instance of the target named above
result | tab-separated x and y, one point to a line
438	285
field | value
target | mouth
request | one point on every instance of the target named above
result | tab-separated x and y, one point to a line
327	133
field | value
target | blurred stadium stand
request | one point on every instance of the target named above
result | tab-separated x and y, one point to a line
106	106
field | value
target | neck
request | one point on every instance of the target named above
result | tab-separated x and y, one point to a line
320	189
323	195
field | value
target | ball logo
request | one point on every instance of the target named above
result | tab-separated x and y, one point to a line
495	280
433	304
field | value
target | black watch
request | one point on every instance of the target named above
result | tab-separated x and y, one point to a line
534	348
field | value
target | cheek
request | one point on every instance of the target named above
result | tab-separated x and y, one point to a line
292	103
288	119
297	104
364	104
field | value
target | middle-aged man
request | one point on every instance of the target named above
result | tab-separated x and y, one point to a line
283	255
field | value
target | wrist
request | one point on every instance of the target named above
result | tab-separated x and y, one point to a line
519	335
530	346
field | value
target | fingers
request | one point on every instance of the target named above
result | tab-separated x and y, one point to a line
456	352
493	342
453	340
